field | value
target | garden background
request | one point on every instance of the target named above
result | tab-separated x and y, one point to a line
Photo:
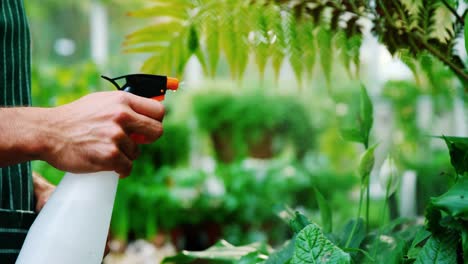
303	130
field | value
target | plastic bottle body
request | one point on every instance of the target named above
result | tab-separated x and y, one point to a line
74	223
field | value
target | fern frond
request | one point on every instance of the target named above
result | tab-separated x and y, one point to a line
259	37
324	38
294	44
162	10
341	42
307	33
243	27
278	39
426	16
405	56
211	32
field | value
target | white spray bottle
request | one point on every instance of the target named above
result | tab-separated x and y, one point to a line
73	225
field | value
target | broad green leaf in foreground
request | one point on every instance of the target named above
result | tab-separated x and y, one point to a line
419	238
455	200
313	247
439	251
458	147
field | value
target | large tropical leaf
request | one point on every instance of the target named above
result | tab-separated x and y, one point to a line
313	247
439	251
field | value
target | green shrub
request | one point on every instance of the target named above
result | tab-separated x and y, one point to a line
271	118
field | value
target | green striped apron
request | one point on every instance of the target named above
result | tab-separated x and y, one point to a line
16	189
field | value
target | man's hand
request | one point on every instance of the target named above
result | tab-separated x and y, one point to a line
42	190
93	133
89	135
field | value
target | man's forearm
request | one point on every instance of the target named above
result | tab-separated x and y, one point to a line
23	134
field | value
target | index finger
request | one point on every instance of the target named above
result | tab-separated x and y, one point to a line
148	107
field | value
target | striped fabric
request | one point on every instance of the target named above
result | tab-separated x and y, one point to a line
16	190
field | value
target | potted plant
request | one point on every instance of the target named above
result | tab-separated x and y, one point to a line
236	134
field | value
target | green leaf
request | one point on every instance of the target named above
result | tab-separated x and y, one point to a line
458	148
167	9
295	45
466	34
341	43
213	48
325	211
455	200
358	235
439	250
242	52
464	235
221	251
313	247
354	49
166	27
260	40
433	216
351	134
283	255
299	222
359	131
279	45
366	115
147	49
366	164
358	250
419	238
406	57
192	41
309	47
324	39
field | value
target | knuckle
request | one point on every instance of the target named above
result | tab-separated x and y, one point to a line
121	115
121	97
113	153
162	110
158	131
116	134
125	168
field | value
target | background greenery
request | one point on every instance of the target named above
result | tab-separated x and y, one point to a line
276	121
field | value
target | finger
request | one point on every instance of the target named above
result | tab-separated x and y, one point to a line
142	125
128	147
122	165
147	107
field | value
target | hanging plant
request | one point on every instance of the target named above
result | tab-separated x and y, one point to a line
298	31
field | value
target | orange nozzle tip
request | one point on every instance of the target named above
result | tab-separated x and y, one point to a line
172	83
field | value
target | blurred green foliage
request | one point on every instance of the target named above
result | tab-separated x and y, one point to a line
240	199
274	119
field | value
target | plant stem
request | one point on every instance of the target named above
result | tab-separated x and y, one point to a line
374	252
361	196
454	12
460	72
367	205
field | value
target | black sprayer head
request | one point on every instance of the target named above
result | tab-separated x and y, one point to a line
146	85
